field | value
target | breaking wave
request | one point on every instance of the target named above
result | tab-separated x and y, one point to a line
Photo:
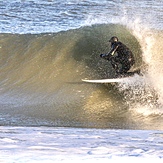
40	82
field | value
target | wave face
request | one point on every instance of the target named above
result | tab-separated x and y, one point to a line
40	82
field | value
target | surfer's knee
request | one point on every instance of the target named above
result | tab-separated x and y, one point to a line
131	61
125	68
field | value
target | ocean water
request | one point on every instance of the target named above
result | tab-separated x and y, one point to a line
47	47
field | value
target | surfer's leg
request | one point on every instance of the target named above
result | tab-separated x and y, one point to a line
125	67
115	64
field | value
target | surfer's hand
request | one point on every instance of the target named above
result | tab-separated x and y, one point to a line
102	55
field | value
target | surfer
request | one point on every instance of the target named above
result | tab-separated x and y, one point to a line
120	56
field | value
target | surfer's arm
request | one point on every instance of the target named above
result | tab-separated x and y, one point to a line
113	50
105	56
110	54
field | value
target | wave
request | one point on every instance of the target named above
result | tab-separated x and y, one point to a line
41	79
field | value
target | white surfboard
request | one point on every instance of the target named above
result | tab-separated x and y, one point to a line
128	76
114	80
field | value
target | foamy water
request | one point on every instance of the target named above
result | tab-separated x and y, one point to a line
35	144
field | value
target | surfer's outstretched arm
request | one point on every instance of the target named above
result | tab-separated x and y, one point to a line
110	54
106	56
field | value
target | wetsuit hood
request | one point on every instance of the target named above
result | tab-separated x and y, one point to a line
113	39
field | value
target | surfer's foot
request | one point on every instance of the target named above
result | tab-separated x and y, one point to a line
121	74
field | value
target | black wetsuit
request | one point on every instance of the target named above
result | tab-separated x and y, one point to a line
124	57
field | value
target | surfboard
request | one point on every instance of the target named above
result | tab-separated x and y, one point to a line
124	78
114	80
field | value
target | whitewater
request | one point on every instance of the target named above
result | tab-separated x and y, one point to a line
47	113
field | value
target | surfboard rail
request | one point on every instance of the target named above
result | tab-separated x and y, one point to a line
114	80
124	78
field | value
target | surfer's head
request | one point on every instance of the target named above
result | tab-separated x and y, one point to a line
113	39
